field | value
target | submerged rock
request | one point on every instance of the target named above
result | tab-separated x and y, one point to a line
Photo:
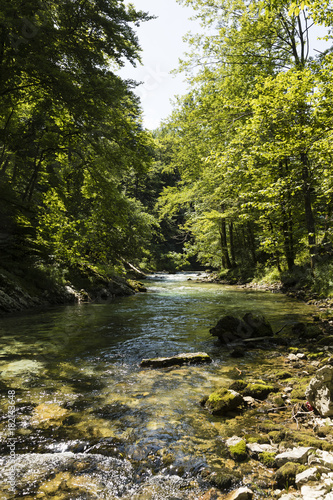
48	415
32	474
320	391
230	329
180	359
85	475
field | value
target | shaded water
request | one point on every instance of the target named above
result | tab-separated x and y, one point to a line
79	389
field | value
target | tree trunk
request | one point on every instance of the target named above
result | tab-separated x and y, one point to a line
226	264
251	243
310	223
232	244
287	222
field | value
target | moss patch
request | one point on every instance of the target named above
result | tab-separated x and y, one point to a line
305	439
238	385
223	401
238	451
259	390
267	458
224	478
285	475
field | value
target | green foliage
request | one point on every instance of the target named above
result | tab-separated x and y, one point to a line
71	134
251	141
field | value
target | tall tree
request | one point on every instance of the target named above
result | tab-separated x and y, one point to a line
71	127
253	120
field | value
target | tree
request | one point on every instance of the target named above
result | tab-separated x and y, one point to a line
71	127
254	117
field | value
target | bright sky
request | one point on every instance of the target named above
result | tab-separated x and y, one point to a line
162	46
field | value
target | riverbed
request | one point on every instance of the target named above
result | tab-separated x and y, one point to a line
96	425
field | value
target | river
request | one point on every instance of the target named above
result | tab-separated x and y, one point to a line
90	423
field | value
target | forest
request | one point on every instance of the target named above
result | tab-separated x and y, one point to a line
238	178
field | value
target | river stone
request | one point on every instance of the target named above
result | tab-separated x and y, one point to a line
241	494
321	457
180	359
255	449
230	329
19	368
223	401
289	496
315	492
319	392
306	476
298	455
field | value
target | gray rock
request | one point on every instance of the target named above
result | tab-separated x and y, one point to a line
292	357
290	496
321	457
255	448
315	492
233	441
180	359
241	494
306	476
320	391
297	455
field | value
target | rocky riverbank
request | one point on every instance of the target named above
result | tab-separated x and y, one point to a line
276	421
24	288
324	305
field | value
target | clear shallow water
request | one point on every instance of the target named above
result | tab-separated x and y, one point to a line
79	386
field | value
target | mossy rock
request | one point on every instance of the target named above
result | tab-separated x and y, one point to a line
285	475
324	431
257	438
258	390
238	451
297	395
277	436
305	439
137	286
313	330
224	478
316	355
238	385
223	401
267	458
278	401
283	374
269	426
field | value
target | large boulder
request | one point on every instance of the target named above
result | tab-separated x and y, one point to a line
320	391
230	329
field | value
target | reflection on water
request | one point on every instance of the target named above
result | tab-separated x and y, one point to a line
79	387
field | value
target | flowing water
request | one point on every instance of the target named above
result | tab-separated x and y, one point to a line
90	423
